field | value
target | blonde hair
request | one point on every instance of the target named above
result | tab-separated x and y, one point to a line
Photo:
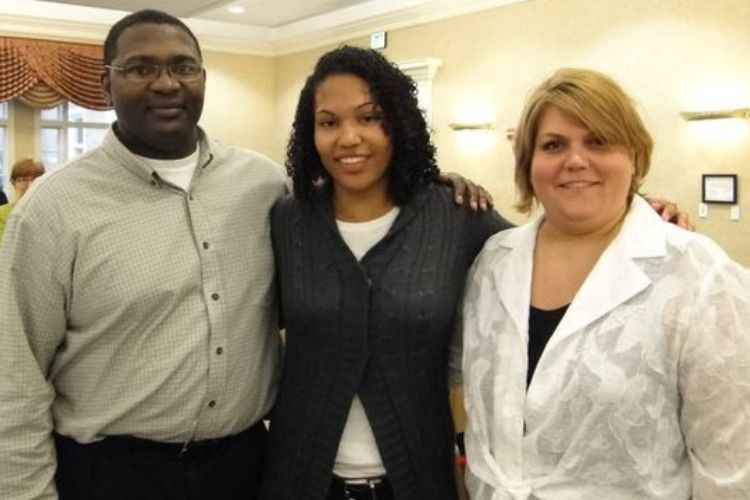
26	168
600	104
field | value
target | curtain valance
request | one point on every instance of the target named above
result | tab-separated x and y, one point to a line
43	73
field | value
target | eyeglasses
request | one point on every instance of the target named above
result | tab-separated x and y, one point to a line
148	72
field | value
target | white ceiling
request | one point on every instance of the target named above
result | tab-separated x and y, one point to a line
267	13
266	27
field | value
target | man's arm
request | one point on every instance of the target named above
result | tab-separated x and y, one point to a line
32	326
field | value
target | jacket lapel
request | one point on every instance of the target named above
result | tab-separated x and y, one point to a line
512	275
618	275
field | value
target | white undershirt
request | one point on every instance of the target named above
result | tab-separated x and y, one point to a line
179	172
358	454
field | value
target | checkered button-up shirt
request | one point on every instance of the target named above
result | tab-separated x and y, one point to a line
131	306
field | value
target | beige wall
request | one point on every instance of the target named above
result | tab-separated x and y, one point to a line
670	55
239	107
24	143
23	138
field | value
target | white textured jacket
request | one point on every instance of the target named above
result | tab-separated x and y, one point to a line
643	391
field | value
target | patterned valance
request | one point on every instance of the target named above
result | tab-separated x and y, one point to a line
44	73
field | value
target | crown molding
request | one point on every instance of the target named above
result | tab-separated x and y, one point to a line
49	20
363	19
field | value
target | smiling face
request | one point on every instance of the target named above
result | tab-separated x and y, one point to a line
582	182
350	137
156	119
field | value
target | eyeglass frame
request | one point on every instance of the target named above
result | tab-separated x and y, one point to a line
162	67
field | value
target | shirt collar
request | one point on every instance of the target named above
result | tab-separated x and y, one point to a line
116	150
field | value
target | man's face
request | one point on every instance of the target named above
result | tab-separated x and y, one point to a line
156	118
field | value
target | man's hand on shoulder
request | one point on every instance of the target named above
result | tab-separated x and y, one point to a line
670	212
466	190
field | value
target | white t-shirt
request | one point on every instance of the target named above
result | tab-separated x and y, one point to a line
358	454
179	172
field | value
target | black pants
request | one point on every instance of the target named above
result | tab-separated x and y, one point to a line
124	468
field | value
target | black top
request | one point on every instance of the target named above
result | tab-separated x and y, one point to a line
379	328
542	324
3	198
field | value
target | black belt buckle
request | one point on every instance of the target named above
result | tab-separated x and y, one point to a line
200	445
361	489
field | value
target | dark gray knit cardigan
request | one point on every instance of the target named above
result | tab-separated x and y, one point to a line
379	328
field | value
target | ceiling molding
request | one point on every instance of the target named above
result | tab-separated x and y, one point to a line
329	29
66	22
51	29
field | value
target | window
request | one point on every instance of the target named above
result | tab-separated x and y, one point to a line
68	130
4	146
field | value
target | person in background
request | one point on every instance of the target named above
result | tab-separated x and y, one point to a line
605	351
23	173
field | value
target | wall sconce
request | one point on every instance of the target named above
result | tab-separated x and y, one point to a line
471	126
716	115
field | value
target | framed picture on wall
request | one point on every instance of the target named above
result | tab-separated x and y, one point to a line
719	188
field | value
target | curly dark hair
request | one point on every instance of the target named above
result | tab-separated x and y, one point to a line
413	163
146	16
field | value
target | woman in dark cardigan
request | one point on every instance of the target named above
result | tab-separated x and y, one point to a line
371	257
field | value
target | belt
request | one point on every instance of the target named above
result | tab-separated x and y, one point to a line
131	444
369	488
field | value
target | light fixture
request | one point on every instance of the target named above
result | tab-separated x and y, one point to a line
236	9
716	115
471	126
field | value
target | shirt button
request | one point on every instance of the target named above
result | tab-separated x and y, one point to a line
191	197
215	296
211	403
206	245
219	351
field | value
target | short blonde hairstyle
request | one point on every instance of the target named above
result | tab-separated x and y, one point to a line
600	104
26	168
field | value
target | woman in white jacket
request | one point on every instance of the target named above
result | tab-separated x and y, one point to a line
606	352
